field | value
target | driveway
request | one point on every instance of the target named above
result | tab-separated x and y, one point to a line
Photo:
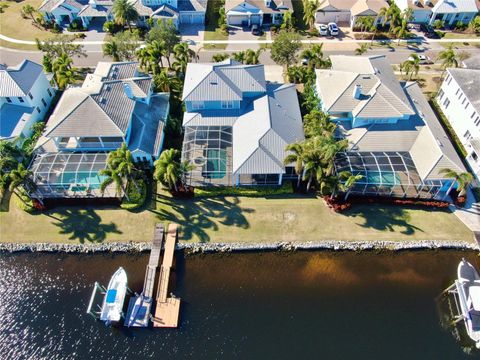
236	34
193	32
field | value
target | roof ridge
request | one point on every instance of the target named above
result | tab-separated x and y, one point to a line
69	113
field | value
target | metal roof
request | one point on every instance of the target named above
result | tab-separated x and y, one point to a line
455	6
18	80
192	5
469	82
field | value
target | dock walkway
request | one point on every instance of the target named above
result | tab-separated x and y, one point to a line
168	308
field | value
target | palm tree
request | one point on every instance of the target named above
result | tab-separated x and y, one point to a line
63	71
448	57
314	56
309	11
29	10
313	167
121	160
166	83
411	66
365	23
180	67
287	21
169	170
362	49
182	51
349	182
112	177
317	123
143	57
124	12
401	30
155	51
239	56
463	180
110	48
21	178
10	155
252	57
383	14
296	154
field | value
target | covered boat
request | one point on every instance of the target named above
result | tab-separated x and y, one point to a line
112	306
468	292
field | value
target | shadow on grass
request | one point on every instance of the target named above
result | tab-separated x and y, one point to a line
199	216
83	225
384	218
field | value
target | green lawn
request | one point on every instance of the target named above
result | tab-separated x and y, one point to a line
454	35
212	32
232	219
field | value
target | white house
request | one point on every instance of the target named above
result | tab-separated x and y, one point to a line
25	96
459	99
449	11
256	12
395	140
178	12
116	104
346	12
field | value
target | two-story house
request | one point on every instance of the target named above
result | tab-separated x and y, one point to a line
395	140
178	12
459	99
116	104
25	97
237	125
256	12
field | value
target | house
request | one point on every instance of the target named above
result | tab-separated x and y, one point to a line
237	125
449	11
25	97
97	12
395	140
347	12
459	100
114	105
256	12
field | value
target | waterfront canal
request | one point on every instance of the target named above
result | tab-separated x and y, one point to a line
309	305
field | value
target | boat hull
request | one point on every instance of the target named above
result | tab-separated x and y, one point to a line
112	307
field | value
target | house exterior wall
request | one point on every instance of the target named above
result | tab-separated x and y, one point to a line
332	16
452	19
464	119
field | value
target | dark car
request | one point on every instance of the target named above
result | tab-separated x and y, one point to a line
429	31
256	30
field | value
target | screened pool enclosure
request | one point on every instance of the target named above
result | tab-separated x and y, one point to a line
70	175
388	174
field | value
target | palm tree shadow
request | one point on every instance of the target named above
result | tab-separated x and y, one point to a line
197	217
384	218
84	225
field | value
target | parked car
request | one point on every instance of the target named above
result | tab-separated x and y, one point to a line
256	30
322	29
429	31
424	59
333	29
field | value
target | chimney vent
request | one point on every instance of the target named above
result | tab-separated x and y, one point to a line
357	91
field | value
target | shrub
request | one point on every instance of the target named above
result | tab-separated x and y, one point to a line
337	204
110	27
56	28
460	26
313	32
251	191
274	29
136	197
76	25
438	24
27	203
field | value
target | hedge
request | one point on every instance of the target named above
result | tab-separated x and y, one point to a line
251	191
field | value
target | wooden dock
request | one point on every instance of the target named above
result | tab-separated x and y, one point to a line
142	310
168	308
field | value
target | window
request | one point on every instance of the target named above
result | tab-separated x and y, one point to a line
473	114
440	94
20	99
474	156
30	96
450	80
8	99
198	105
44	103
460	96
477	121
49	92
464	99
227	104
446	103
466	135
38	110
466	106
458	90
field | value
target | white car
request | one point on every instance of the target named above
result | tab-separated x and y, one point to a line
322	29
333	29
424	59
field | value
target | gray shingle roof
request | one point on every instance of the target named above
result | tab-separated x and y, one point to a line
275	5
469	81
192	5
102	8
18	80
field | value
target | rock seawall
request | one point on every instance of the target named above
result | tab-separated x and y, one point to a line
242	246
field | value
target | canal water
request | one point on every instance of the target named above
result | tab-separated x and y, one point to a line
310	305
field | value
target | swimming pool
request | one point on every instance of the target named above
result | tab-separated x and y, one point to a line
216	165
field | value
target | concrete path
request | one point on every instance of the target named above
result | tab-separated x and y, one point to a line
469	214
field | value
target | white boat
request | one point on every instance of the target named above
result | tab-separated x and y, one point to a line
114	297
468	291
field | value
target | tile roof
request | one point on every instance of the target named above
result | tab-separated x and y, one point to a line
18	80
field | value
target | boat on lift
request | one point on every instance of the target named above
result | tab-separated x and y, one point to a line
468	299
112	307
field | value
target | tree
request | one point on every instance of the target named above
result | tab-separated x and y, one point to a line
124	13
21	178
155	51
316	122
60	44
401	31
364	23
362	49
349	181
309	11
411	66
166	83
462	180
285	48
182	52
164	31
288	20
112	177
299	74
296	155
448	57
169	170
314	57
10	156
122	46
220	57
252	56
239	56
63	71
474	25
47	63
29	10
